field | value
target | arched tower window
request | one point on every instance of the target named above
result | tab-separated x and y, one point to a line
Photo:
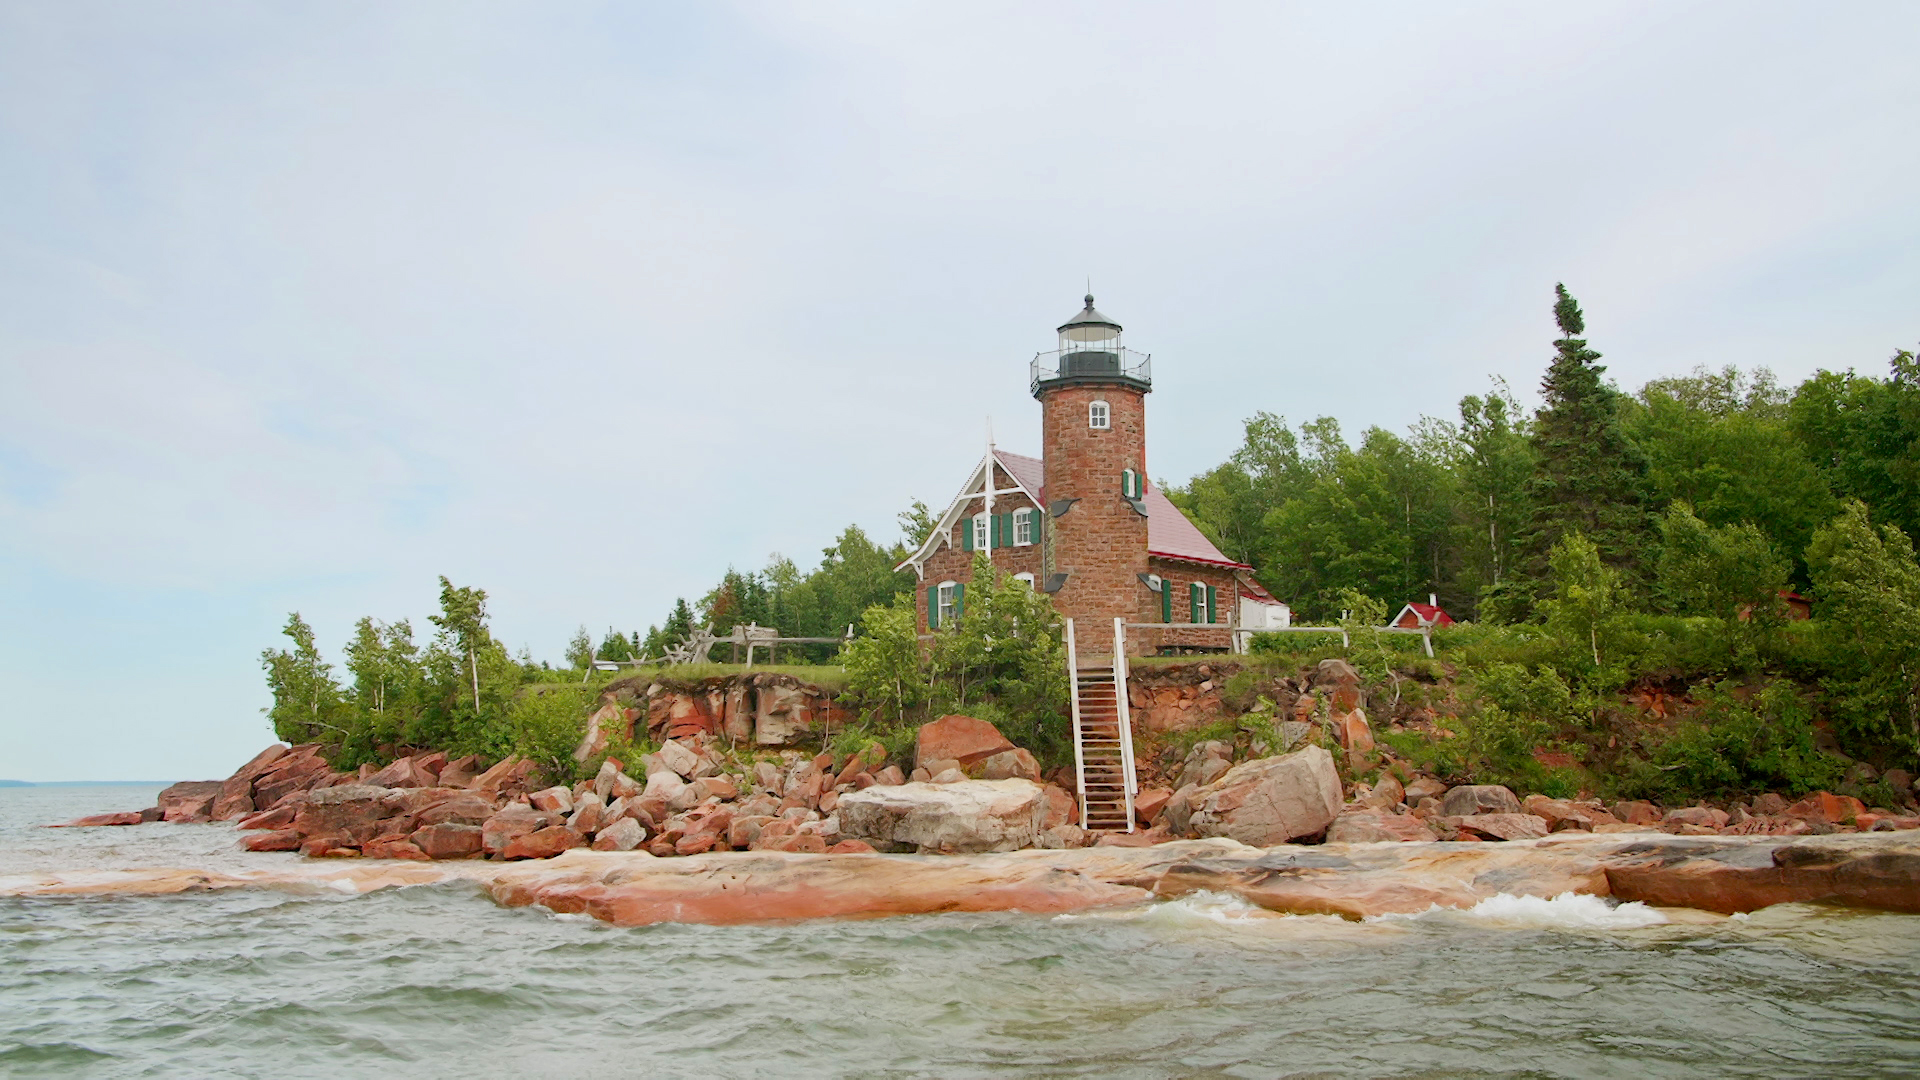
1099	416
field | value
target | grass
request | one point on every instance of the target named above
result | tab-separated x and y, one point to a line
826	676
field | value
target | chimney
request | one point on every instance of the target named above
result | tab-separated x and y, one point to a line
1433	599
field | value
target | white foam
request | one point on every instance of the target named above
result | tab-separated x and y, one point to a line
1568	911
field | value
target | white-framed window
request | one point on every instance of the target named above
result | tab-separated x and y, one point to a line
949	595
981	537
1129	483
1099	416
1028	578
1023	530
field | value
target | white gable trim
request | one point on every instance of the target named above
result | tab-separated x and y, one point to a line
974	488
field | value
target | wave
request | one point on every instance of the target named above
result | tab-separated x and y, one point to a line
1567	911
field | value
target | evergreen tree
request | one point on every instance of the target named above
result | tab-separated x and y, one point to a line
1590	476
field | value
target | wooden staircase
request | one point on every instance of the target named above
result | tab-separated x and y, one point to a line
1103	738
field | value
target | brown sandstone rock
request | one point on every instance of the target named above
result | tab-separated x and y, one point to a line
450	840
278	840
189	800
1637	812
280	817
127	817
1385	796
1353	732
1374	826
1826	808
543	843
1423	787
1501	826
1062	808
1702	816
1014	764
623	835
353	811
1148	803
891	776
392	847
460	808
1270	800
962	816
1478	799
511	823
958	738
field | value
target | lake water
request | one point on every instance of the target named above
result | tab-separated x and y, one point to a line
440	982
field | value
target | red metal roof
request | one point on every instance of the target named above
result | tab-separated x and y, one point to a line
1426	613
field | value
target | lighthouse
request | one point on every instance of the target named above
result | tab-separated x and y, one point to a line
1093	392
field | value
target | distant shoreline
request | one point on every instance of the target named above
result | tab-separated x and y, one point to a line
81	783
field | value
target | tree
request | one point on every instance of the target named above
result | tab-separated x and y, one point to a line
1586	593
1492	462
1863	435
580	650
1722	443
916	524
883	663
1868	587
1590	476
306	700
615	646
1731	573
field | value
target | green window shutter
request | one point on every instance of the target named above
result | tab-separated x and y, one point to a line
1194	596
1006	529
1166	600
959	600
966	534
1213	610
933	608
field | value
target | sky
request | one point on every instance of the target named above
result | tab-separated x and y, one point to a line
303	305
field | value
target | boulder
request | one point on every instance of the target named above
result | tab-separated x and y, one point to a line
1637	812
189	800
1147	804
1821	806
392	847
450	841
663	785
1338	683
1353	732
460	772
1060	837
852	847
1423	787
498	832
1014	764
717	787
1177	815
277	840
353	811
678	757
948	776
1500	826
280	817
1702	816
959	738
1386	795
1373	826
125	817
623	835
509	776
544	843
1205	763
782	716
1561	815
606	720
1478	799
401	773
958	817
1270	801
461	808
586	818
891	776
1062	807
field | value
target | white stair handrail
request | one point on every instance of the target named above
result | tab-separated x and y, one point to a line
1079	757
1130	785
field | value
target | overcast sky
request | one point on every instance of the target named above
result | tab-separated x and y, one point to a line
302	305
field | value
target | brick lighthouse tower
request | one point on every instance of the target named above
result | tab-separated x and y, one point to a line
1093	438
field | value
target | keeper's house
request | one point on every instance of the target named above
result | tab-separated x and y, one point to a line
1084	524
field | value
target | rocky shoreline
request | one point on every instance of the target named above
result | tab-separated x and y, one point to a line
1355	881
